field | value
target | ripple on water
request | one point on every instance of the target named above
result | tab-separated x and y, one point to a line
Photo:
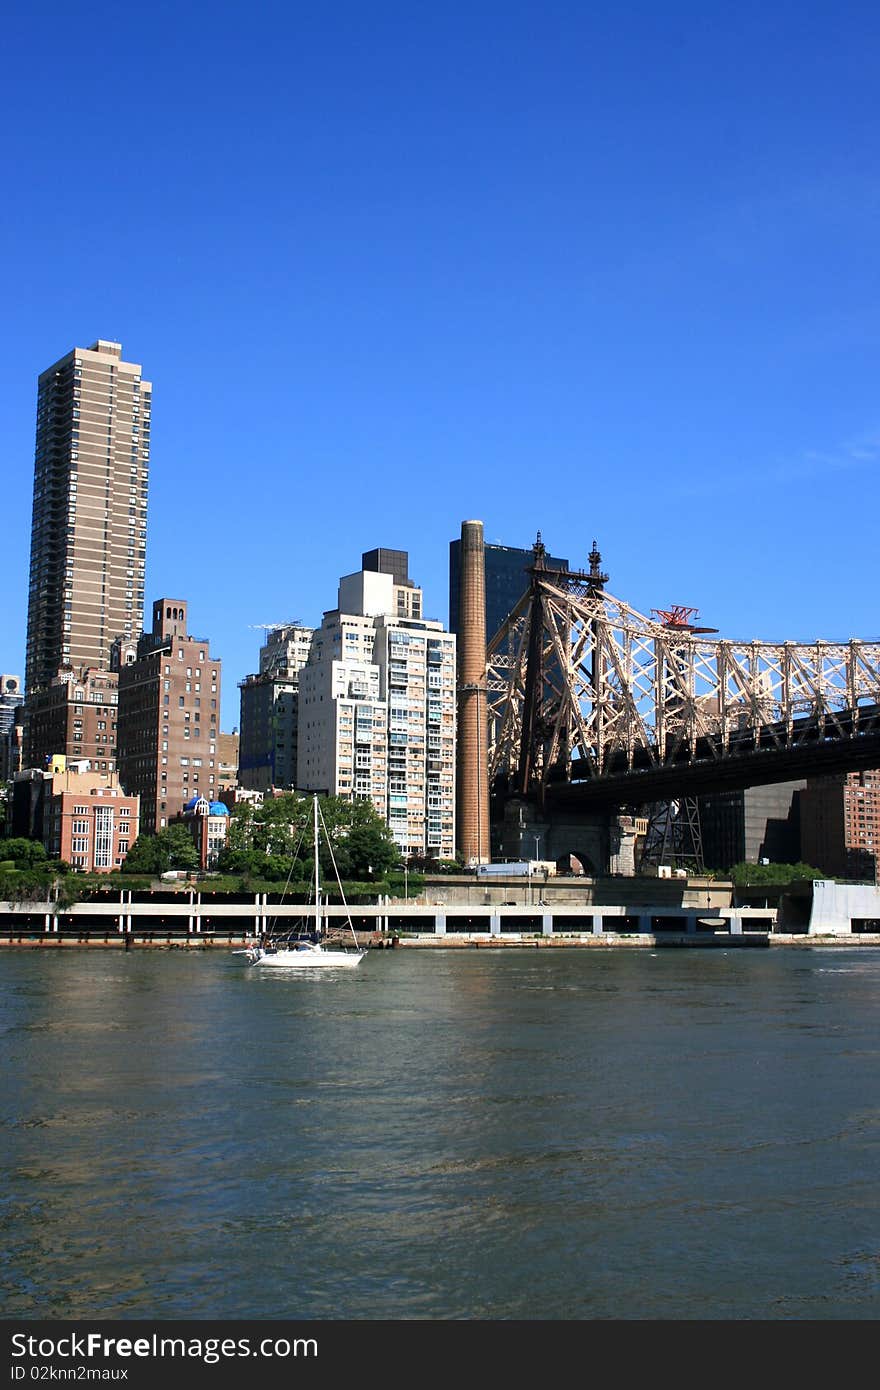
577	1135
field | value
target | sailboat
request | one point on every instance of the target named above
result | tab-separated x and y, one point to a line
306	949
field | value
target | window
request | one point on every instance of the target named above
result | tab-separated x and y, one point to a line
103	837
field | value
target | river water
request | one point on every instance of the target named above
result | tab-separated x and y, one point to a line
455	1134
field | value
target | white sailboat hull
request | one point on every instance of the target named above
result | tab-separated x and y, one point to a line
315	958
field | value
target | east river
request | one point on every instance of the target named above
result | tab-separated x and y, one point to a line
683	1134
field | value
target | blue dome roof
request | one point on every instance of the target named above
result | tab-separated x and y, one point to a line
219	808
192	803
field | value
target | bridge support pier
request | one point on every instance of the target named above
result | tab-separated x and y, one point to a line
524	834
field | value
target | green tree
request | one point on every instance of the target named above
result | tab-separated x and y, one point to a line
746	875
24	853
171	848
276	839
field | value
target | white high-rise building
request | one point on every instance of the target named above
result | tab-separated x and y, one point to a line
377	712
269	722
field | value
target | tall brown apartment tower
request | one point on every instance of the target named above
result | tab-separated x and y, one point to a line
473	780
89	527
169	717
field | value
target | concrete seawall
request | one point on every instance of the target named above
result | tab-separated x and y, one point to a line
606	942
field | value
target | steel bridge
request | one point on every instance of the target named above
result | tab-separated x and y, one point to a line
591	704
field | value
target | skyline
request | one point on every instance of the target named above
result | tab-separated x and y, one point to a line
388	272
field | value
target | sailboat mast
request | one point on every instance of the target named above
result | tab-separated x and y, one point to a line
317	868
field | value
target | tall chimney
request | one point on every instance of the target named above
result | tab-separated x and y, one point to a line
473	773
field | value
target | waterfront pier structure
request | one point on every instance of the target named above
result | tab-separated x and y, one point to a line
841	913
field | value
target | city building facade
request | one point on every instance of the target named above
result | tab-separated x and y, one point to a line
377	712
89	523
227	759
89	820
11	725
840	824
507	579
81	815
407	596
752	824
208	823
169	713
269	714
74	715
11	696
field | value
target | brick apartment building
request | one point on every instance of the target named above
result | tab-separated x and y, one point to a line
169	716
75	715
90	822
82	816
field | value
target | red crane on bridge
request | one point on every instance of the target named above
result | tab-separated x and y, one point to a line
679	617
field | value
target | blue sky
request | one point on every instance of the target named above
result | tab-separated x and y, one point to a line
600	270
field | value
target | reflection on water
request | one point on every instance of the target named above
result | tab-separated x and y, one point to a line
454	1135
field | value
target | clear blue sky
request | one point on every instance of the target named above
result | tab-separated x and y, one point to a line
598	270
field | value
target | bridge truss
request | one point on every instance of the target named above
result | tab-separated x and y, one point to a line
583	688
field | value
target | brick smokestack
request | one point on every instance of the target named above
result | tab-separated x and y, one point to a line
473	775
